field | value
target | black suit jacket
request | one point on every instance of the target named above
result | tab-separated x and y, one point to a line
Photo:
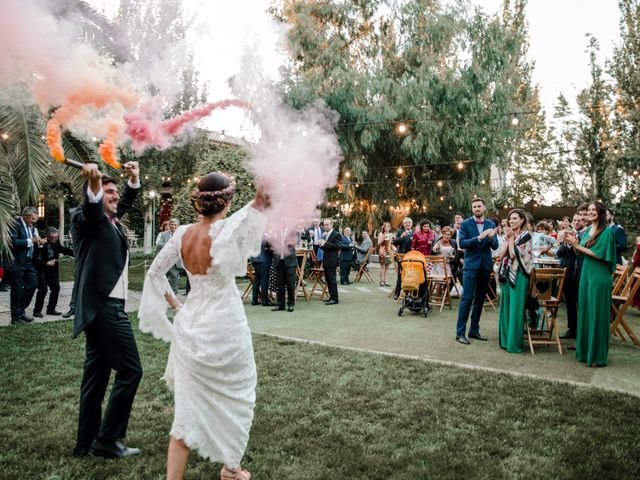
569	260
19	246
41	258
332	249
101	253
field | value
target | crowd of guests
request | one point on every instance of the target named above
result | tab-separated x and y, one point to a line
589	245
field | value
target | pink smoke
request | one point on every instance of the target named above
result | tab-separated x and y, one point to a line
145	128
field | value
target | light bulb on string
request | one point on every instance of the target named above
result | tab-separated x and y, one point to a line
400	171
402	128
347	174
397	185
514	121
460	166
439	183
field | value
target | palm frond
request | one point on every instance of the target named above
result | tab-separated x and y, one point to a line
27	152
8	204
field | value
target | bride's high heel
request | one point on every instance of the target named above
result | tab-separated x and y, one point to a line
234	474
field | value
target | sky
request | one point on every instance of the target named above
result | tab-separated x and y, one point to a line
557	30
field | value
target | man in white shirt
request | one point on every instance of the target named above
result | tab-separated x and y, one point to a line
102	262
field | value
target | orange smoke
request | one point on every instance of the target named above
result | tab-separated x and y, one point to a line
54	140
75	105
108	148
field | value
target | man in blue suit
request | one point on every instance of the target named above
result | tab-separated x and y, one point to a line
476	237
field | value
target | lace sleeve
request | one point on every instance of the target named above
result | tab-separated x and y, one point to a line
153	306
239	239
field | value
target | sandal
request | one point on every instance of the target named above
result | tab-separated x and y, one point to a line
234	474
381	284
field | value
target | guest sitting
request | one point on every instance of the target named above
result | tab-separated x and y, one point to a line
346	256
423	238
517	256
543	242
46	263
598	248
445	247
362	248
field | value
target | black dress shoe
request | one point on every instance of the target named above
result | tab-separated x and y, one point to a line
27	319
80	452
69	314
290	308
54	313
277	308
463	340
17	321
114	449
267	304
477	336
255	303
568	334
331	302
38	314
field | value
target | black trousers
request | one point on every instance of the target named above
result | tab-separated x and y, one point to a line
110	346
570	290
261	282
332	285
345	270
23	283
285	277
47	279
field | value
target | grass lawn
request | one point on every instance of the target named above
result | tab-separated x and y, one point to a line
326	413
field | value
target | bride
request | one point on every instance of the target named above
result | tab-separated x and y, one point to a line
211	368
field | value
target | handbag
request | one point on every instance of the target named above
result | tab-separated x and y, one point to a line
503	272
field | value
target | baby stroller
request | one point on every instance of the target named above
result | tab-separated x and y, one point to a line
415	295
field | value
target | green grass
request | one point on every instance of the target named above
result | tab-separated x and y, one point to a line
326	413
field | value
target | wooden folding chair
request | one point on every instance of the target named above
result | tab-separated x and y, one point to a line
317	274
545	285
619	305
619	278
363	271
439	281
491	298
251	275
301	289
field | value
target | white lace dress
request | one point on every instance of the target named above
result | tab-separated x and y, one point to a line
211	368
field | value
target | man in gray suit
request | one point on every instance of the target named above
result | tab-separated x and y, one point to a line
173	275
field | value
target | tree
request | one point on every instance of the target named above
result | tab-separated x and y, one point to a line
444	75
625	68
596	149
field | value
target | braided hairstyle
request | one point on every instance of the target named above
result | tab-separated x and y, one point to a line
213	193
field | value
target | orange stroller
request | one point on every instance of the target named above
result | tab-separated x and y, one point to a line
415	295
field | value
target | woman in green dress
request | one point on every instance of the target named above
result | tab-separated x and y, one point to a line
598	247
516	256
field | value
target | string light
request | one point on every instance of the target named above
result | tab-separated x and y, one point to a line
439	183
402	128
397	185
460	166
400	171
347	174
94	139
515	121
5	136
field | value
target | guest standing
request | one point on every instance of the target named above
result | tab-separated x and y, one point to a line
517	255
46	263
331	247
21	274
173	275
569	260
261	265
346	256
619	235
285	263
598	247
402	242
423	238
476	237
384	252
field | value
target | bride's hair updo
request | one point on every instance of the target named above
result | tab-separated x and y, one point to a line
213	193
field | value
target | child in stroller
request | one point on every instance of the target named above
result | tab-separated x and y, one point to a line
415	295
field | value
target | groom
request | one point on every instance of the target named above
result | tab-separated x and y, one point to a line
102	261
